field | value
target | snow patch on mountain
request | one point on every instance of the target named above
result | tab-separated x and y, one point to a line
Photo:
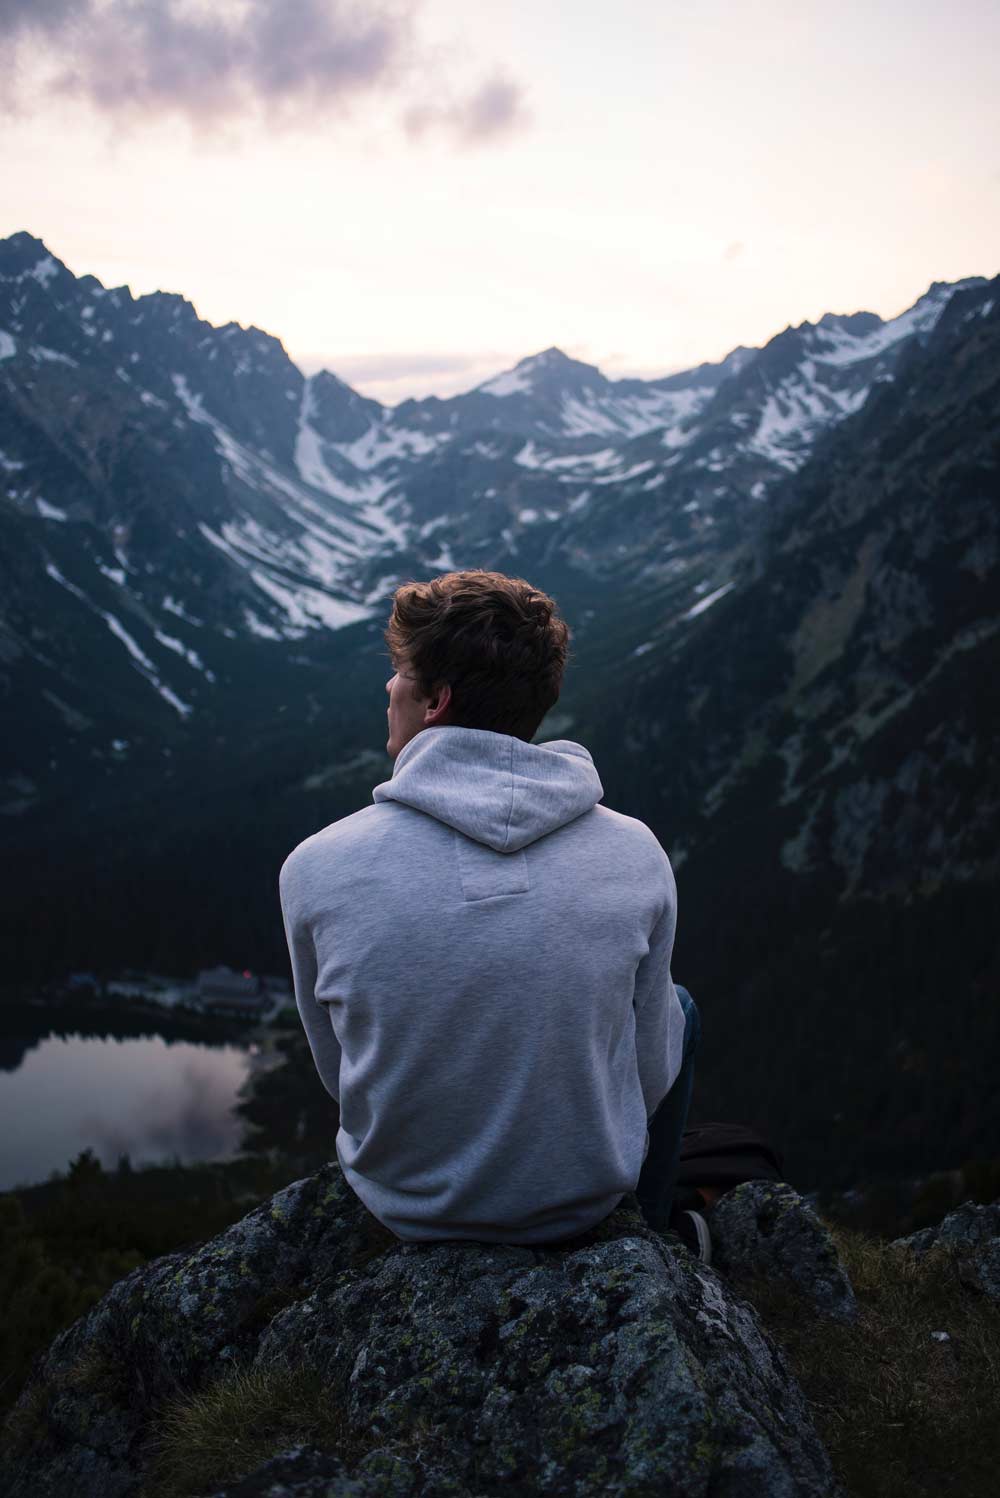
49	512
173	607
44	270
308	608
308	450
135	651
57	576
632	415
444	561
533	456
838	346
623	475
382	442
366	493
511	382
330	541
257	626
39	351
146	667
529	456
794	414
192	657
194	405
706	603
305	607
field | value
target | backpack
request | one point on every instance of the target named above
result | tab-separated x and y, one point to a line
718	1154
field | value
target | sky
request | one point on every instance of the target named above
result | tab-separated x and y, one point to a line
416	194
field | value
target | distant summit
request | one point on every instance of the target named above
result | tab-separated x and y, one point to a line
23	257
544	373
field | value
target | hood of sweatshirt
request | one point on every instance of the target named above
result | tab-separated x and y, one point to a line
495	789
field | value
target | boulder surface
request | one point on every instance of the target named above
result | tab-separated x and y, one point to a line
970	1236
614	1364
764	1230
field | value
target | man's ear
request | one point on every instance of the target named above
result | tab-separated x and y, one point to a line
438	704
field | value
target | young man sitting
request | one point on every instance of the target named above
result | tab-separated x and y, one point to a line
482	957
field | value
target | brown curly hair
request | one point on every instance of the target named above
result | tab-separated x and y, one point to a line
498	642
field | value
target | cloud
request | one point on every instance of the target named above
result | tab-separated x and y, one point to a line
293	62
496	108
19	16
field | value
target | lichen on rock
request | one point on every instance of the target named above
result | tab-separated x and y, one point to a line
615	1364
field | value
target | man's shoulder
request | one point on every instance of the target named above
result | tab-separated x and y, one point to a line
637	842
630	826
617	824
347	835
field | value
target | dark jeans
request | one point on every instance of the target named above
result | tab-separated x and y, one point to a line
658	1176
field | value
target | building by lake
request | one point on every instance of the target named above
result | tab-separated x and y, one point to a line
216	990
220	990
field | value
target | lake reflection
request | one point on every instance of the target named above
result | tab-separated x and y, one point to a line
143	1096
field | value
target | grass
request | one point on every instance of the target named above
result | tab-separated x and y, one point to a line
202	1441
903	1414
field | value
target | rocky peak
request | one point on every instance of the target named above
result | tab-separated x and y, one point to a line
337	412
856	323
553	361
22	255
546	374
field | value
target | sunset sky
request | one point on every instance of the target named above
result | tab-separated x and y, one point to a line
417	195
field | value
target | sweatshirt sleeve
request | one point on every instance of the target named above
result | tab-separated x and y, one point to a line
659	1019
315	1016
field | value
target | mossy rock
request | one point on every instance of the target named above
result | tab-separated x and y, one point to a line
613	1364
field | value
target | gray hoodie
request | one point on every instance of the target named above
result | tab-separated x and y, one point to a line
482	966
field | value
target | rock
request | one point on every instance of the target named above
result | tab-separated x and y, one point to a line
616	1364
304	1472
765	1229
971	1237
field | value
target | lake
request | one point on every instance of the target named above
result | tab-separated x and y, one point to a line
151	1097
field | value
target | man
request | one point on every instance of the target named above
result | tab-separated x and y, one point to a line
482	957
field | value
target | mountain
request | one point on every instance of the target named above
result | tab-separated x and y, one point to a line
780	571
176	495
828	780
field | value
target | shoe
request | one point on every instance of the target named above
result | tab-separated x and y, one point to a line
692	1229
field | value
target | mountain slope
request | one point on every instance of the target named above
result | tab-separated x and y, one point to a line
820	755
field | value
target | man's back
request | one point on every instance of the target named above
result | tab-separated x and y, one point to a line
482	965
